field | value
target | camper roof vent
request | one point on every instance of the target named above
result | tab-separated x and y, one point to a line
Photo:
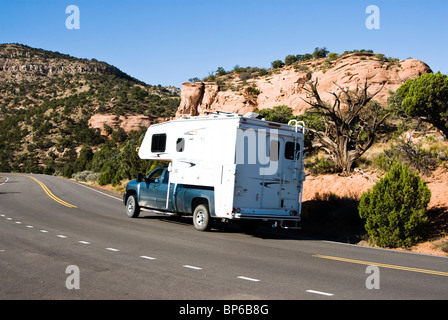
253	115
222	113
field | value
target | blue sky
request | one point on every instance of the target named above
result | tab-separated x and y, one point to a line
169	41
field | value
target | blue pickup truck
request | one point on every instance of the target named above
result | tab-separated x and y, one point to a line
154	192
224	166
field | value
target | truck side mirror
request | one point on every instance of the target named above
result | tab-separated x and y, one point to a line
139	177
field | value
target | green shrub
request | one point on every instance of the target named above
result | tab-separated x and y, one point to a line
320	165
262	72
320	53
106	176
67	170
333	56
290	59
86	176
277	64
280	113
409	153
303	68
395	208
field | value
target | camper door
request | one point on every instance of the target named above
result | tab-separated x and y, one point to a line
258	179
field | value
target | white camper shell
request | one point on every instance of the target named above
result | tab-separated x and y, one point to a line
255	167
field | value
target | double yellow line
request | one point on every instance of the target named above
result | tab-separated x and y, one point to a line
389	266
51	195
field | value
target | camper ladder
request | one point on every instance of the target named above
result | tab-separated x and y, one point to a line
297	124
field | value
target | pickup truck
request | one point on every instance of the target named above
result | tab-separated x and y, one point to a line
154	192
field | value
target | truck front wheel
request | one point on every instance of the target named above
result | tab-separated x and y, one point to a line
132	207
201	218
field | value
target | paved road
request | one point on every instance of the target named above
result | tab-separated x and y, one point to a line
48	224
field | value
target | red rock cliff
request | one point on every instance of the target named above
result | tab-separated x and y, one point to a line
285	86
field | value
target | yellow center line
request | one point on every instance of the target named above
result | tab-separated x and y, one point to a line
51	195
390	266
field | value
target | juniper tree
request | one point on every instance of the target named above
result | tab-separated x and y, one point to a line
352	121
426	98
395	208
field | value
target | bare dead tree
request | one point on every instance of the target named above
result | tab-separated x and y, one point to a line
352	121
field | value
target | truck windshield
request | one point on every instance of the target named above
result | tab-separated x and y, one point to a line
157	174
160	175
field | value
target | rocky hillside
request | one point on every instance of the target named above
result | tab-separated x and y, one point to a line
20	63
51	104
248	89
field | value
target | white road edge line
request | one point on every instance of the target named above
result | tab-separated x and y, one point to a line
191	267
320	292
383	249
4	181
103	193
147	258
247	278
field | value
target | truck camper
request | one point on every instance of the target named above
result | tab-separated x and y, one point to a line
223	166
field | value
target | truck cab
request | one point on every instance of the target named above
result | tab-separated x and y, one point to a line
153	189
147	192
155	193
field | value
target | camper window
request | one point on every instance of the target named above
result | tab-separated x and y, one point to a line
180	144
289	150
158	142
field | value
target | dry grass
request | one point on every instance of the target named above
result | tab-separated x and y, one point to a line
367	160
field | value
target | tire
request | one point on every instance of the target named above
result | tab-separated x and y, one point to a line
201	218
132	207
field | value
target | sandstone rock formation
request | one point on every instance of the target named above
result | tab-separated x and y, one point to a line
285	86
127	123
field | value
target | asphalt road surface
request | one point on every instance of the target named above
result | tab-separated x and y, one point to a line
63	240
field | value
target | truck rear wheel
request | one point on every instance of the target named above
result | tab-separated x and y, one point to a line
201	218
132	207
